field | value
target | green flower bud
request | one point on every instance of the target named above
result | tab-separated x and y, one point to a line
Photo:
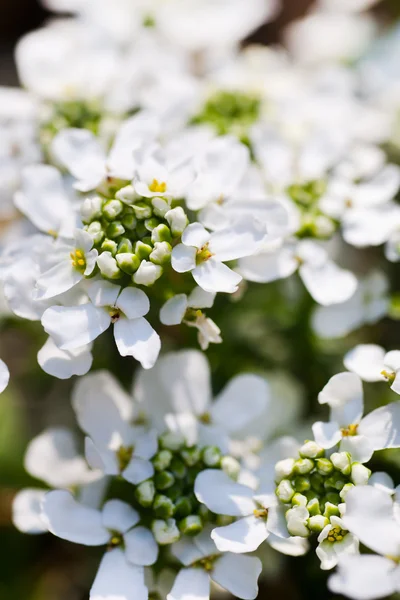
151	223
303	466
128	262
115	229
112	209
191	456
177	220
343	493
162	460
302	484
310	449
284	469
161	233
299	500
129	221
95	230
164	480
183	507
191	525
161	253
313	507
142	210
175	491
160	206
205	514
163	507
211	456
297	521
331	510
125	245
147	273
172	441
230	466
342	462
165	532
109	246
317	483
91	209
335	481
285	491
317	522
359	474
324	466
142	250
108	266
127	194
145	492
178	468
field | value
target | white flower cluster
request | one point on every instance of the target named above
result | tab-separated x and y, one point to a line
154	169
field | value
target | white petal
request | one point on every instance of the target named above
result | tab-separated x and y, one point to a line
183	258
190	584
174	309
80	152
71	521
369	516
137	338
186	551
27	509
133	302
276	522
57	280
293	546
238	574
103	293
242	239
327	555
269	266
214	276
244	535
326	435
116	579
364	577
4	376
392	360
222	495
366	360
195	235
138	470
64	363
53	457
382	481
140	547
358	446
382	426
75	326
230	412
146	444
328	283
119	516
198	298
344	394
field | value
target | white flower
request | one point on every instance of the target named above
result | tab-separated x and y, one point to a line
114	445
204	253
4	376
74	326
154	175
326	282
203	562
358	436
64	363
69	263
334	541
372	516
121	570
175	311
372	363
82	154
367	305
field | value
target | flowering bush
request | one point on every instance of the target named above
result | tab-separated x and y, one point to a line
170	186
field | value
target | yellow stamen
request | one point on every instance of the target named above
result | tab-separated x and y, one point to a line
350	430
158	187
203	255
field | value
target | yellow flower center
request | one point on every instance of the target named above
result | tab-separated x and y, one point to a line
124	455
390	377
203	255
158	187
336	534
350	430
205	418
78	260
261	513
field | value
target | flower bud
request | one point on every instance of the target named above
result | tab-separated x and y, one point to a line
160	206
284	468
172	441
177	220
129	221
127	262
112	209
310	449
342	462
125	245
147	273
331	510
115	229
317	483
108	266
211	456
164	480
285	491
145	492
335	482
109	246
359	474
95	230
161	233
191	525
91	209
303	466
297	521
317	522
165	532
230	466
299	500
142	250
162	460
178	468
324	466
161	253
142	210
127	194
163	507
191	456
345	490
183	507
302	484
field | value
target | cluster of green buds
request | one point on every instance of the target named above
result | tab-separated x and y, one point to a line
166	501
230	112
58	116
134	236
313	486
314	223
